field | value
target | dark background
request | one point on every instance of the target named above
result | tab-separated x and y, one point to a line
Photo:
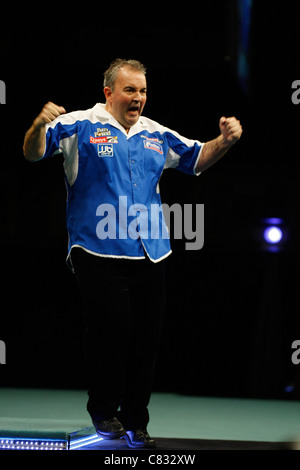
232	307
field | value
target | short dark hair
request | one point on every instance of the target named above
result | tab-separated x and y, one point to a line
110	74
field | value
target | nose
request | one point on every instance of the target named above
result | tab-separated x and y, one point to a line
138	97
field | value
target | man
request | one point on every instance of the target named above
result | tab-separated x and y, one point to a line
113	160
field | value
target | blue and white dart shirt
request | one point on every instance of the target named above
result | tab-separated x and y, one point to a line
113	202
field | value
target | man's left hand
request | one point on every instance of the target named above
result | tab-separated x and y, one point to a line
231	129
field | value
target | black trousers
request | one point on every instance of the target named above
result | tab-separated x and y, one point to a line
125	301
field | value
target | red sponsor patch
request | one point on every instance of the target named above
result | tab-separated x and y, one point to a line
98	140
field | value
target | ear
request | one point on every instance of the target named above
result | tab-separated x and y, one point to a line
108	93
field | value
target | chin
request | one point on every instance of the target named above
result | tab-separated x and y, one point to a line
132	122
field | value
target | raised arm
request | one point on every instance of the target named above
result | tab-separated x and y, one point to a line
35	137
213	150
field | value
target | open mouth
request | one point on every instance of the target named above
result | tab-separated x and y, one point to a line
134	110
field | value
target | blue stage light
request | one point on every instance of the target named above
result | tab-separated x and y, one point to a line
273	234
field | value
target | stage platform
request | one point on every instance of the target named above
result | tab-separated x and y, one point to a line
39	419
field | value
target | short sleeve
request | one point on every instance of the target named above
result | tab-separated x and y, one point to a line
56	132
183	154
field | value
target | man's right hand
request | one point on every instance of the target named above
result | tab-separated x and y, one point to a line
49	112
35	138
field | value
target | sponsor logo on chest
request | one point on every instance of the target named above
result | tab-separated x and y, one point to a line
105	150
104	140
152	143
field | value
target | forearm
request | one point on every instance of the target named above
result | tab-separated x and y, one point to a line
34	142
212	152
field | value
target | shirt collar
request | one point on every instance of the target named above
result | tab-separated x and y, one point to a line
107	117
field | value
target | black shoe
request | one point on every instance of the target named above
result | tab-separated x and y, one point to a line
139	439
110	428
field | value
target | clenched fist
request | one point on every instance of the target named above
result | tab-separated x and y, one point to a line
35	137
231	129
49	112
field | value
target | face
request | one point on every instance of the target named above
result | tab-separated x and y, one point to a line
128	97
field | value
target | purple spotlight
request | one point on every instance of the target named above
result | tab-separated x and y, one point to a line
273	234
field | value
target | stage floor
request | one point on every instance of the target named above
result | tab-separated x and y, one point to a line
178	422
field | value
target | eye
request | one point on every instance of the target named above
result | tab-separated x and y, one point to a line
130	90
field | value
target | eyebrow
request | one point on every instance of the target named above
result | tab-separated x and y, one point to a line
134	88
